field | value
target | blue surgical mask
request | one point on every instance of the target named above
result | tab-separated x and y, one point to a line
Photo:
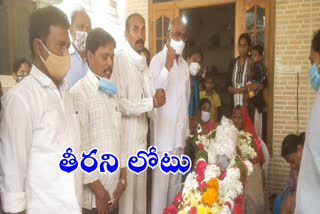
314	77
108	86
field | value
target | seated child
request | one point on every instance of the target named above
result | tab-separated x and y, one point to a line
206	123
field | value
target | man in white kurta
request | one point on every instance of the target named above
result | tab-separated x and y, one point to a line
308	188
135	91
171	123
38	124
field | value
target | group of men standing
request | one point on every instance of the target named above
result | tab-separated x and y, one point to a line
87	96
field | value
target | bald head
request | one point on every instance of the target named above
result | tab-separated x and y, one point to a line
176	22
176	30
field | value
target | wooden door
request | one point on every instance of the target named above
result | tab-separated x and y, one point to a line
257	19
17	15
160	19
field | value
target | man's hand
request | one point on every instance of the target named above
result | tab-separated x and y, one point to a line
171	56
159	98
102	197
116	195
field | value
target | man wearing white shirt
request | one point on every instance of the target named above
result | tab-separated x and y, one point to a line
38	124
170	72
308	188
79	29
100	119
137	98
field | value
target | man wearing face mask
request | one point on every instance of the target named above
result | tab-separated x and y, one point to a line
97	105
171	125
79	29
137	99
38	124
308	189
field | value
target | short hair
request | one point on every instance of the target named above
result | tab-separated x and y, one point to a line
77	12
259	49
42	19
128	20
291	142
18	62
209	75
204	101
98	38
246	37
191	51
316	42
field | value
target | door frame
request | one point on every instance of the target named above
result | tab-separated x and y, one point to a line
187	4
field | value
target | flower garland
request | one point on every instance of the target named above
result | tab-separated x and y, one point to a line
209	189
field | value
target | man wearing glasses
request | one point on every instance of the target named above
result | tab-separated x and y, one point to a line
171	126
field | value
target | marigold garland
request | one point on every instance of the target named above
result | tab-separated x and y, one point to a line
210	196
213	183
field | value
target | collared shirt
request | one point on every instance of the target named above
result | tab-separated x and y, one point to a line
135	91
171	126
100	121
78	67
308	189
37	125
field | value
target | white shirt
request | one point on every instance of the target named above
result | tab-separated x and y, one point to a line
37	125
78	67
308	190
135	91
100	122
171	126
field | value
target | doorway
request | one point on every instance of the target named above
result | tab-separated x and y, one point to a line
215	38
212	30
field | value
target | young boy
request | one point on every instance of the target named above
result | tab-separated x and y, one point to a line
255	86
212	96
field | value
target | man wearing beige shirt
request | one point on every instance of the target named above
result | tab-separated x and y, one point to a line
137	100
96	104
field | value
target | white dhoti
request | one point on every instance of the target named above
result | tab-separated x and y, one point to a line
164	187
133	199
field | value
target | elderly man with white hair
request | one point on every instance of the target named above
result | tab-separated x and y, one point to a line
171	126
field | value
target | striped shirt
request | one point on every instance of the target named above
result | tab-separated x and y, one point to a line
100	121
135	90
78	67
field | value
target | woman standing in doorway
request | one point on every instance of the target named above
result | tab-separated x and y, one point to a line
239	72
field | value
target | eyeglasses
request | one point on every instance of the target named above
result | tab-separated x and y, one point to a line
179	35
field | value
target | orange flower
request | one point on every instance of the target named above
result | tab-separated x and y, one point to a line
210	197
213	183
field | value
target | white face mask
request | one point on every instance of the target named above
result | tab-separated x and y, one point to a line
194	68
80	41
205	116
178	46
